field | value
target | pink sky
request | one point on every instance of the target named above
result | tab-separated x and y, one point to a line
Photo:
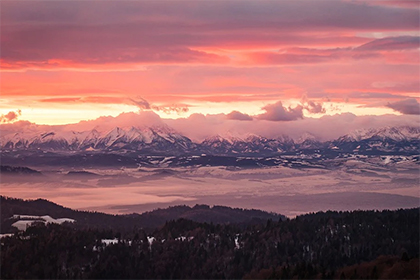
268	61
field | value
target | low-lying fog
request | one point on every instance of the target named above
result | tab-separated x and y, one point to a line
289	191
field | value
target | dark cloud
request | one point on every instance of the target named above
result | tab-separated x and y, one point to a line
391	43
408	106
288	59
393	3
179	109
377	48
314	107
277	112
373	95
10	117
101	32
236	115
141	103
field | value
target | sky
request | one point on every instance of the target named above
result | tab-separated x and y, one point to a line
240	62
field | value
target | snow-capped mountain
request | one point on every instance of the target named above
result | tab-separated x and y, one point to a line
389	139
403	133
164	140
251	144
309	141
149	138
159	139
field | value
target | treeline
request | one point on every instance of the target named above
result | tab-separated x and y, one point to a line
368	244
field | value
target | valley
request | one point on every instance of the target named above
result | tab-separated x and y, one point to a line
287	184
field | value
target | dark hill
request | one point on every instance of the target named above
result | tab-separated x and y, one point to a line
84	174
18	170
207	214
148	220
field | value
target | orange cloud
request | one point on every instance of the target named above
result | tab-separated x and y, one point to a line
101	57
10	117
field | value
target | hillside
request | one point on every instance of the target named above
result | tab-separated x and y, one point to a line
18	170
148	220
325	245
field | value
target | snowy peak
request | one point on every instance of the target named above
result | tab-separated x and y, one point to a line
398	134
255	138
403	133
135	138
111	138
165	141
217	145
132	138
217	140
306	138
388	140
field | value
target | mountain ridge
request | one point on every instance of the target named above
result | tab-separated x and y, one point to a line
164	140
151	219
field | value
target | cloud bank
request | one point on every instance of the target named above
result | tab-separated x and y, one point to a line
198	126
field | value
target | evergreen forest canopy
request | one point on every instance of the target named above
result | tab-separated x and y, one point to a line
358	244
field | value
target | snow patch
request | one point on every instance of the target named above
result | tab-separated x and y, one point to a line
23	223
108	242
6	235
237	245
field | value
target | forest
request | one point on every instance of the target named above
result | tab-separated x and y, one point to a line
324	245
147	220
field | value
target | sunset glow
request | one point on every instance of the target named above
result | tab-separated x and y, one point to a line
209	139
63	62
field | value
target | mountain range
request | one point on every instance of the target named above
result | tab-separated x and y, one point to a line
165	141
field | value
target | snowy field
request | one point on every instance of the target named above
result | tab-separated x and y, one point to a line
354	184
